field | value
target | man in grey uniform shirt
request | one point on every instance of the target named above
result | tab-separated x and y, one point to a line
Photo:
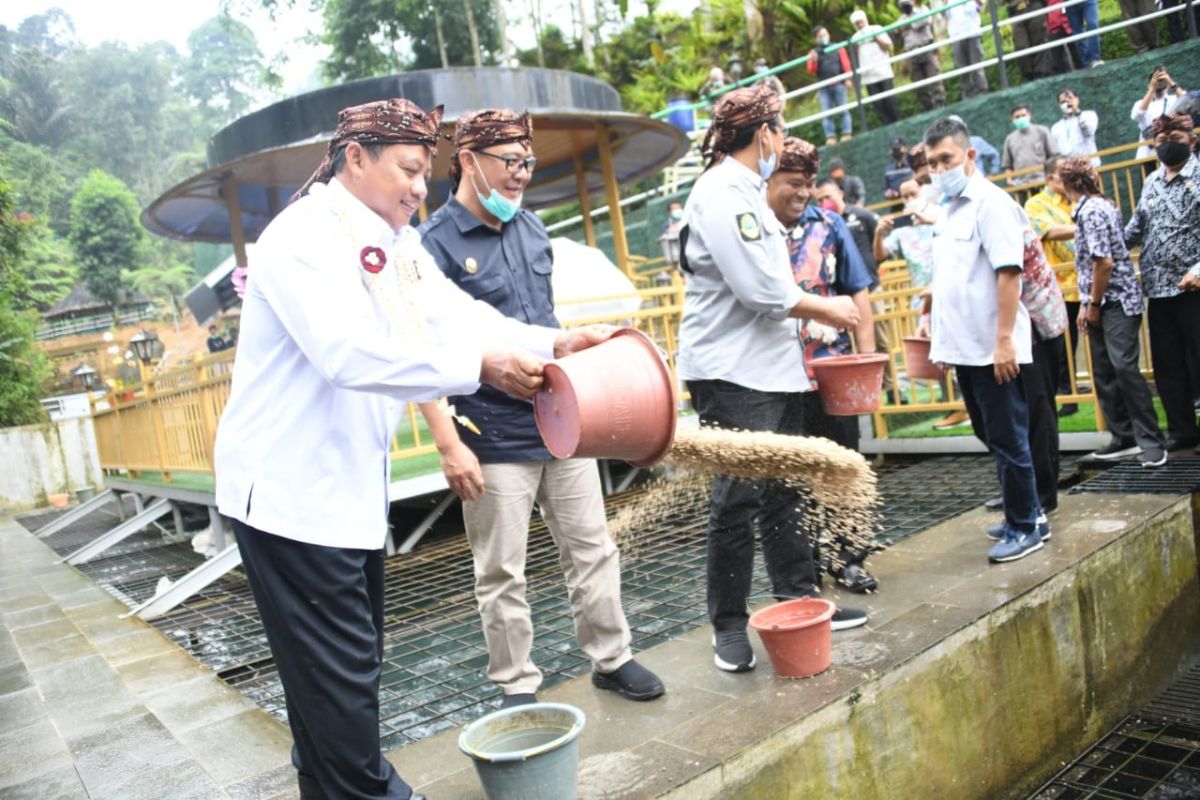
741	356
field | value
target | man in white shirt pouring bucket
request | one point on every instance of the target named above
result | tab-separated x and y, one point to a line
345	319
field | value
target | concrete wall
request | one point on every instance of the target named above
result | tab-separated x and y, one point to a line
998	707
40	460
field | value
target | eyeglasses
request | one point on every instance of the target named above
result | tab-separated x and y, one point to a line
512	163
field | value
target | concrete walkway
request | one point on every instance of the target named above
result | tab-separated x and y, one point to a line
95	706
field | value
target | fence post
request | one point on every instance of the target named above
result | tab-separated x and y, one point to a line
1189	14
862	111
995	12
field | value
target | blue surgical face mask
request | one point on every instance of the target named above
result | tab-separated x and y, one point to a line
951	182
495	203
766	167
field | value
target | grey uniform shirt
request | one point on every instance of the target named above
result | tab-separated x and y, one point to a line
735	326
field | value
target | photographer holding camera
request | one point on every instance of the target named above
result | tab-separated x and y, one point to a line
1162	93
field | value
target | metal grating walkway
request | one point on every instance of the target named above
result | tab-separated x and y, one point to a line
434	654
1152	755
1180	475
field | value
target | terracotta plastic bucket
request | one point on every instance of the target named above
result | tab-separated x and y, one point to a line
916	360
850	385
613	400
797	635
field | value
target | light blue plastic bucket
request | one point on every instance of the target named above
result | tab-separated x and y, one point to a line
528	752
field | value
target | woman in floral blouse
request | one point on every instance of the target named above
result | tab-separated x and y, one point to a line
1111	315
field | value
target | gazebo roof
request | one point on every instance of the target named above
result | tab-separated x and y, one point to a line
80	300
268	154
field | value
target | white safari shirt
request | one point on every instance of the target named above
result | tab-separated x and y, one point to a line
981	231
320	380
735	323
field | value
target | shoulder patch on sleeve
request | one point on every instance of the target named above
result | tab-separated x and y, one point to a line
748	227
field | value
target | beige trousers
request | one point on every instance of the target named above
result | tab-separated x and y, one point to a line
572	504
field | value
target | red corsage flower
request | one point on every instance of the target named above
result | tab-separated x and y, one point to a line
373	259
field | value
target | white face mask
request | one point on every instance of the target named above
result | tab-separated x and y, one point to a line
1066	108
952	181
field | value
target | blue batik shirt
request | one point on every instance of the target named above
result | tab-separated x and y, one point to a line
508	269
826	262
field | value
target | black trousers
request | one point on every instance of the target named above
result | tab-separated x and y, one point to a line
1122	391
737	504
322	608
1039	381
885	109
1175	346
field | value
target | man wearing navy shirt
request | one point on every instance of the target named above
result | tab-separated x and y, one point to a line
497	464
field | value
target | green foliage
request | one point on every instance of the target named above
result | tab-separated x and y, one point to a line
42	182
367	35
106	235
223	70
22	365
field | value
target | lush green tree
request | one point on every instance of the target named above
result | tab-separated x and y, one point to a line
22	365
43	181
48	269
133	113
224	69
106	235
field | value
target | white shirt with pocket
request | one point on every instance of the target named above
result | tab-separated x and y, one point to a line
981	231
321	379
735	323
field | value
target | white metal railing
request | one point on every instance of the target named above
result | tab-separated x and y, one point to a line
675	183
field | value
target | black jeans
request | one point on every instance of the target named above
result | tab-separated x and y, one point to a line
1122	391
1000	416
1175	346
736	504
885	109
1039	381
322	609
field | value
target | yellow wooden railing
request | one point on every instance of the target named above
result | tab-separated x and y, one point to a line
168	423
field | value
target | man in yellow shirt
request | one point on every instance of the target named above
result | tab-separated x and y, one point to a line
1049	213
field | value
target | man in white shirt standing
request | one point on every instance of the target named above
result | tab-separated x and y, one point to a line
874	68
1075	133
346	318
979	325
962	26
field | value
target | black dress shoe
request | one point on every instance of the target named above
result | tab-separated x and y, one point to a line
518	699
630	680
1068	409
1175	443
995	504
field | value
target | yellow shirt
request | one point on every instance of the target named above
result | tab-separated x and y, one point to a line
1046	210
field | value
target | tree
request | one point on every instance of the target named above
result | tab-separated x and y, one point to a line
224	69
375	37
138	124
106	235
22	364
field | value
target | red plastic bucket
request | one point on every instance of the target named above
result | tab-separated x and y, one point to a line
797	635
613	400
850	385
916	360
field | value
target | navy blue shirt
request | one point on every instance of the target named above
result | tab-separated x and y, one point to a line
509	270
